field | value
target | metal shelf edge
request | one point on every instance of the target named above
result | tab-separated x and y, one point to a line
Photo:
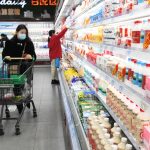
73	135
80	131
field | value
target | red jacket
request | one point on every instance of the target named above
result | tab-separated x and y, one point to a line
54	45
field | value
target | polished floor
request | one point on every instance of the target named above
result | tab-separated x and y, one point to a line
46	131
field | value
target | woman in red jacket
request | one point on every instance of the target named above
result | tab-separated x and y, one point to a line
55	52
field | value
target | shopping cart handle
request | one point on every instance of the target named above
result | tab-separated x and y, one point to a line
18	58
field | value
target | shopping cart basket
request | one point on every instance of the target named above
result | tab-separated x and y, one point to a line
16	87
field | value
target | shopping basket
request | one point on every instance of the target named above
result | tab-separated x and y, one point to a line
16	88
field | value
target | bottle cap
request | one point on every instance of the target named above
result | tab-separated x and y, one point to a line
106	119
118	129
128	146
124	140
115	124
102	112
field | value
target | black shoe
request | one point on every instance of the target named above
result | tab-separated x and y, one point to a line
55	82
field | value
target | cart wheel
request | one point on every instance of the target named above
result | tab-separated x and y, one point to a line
34	114
18	131
1	132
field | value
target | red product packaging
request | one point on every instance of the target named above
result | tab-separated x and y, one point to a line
146	138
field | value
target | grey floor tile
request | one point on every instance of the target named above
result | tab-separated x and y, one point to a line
49	131
44	132
50	144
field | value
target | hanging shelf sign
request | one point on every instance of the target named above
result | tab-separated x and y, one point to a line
21	3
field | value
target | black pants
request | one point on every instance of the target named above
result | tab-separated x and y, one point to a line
17	92
18	89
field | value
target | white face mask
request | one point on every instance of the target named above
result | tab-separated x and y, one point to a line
22	36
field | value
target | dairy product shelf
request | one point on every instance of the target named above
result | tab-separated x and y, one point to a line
136	14
102	99
94	3
138	98
122	52
80	133
141	54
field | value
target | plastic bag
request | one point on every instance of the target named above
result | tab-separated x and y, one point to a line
57	62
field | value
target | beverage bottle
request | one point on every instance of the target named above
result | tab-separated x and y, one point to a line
108	145
128	147
136	111
113	130
116	138
106	124
102	132
122	145
105	139
118	129
143	119
114	147
101	116
101	137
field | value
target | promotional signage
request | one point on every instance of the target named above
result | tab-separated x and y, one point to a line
44	2
13	2
27	10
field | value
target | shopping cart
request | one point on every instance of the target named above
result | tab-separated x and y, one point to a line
16	87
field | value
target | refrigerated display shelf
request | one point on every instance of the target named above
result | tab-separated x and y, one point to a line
135	14
141	54
94	3
140	100
70	122
102	99
79	128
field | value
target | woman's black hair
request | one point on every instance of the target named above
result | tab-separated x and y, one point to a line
51	32
21	27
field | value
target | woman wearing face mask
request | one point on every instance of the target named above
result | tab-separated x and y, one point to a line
19	46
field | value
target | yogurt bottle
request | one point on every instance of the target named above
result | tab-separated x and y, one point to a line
122	145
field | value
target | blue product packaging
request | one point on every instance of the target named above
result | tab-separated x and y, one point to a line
140	76
140	1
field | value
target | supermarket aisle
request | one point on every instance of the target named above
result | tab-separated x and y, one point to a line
45	132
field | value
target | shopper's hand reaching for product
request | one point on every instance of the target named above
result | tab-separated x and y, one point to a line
8	58
28	57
